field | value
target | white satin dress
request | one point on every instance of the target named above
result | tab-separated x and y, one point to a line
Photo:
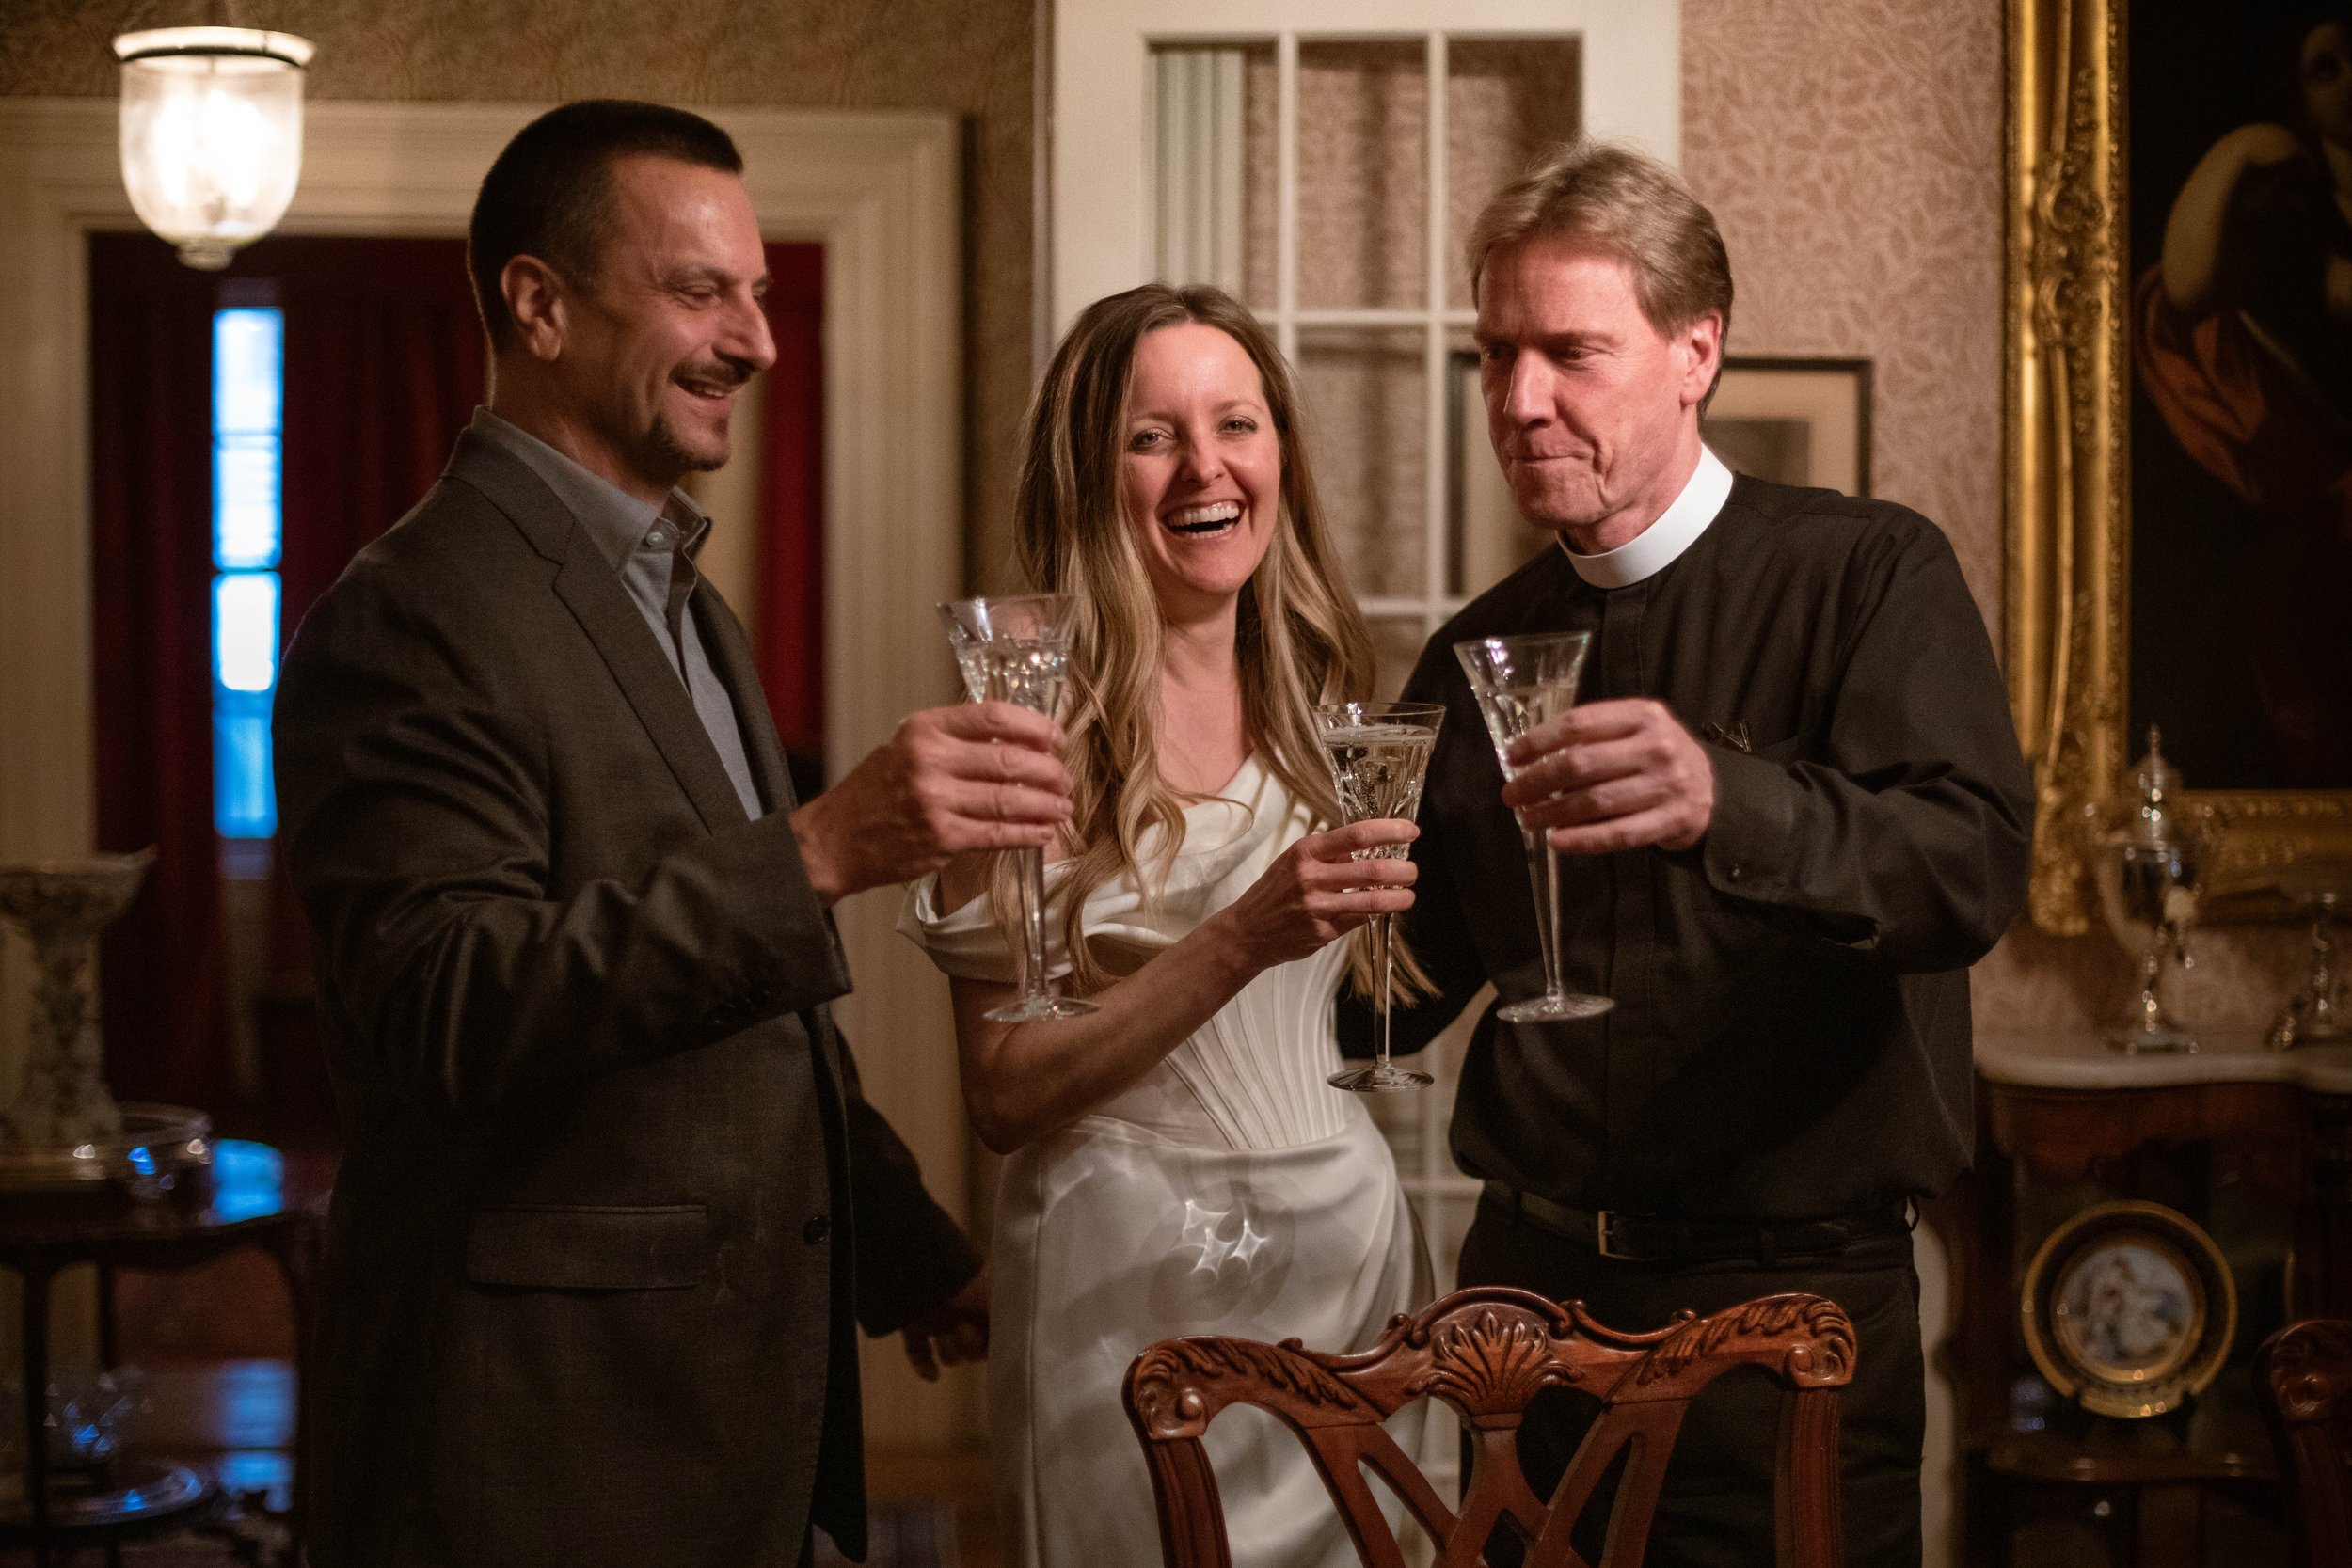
1232	1191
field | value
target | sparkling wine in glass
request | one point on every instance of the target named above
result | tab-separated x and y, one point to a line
1523	683
1380	754
1017	650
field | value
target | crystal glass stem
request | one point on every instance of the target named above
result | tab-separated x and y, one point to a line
2151	970
2149	1028
1380	968
1037	999
1033	928
1543	873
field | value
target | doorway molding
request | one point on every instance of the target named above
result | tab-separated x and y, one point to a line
880	190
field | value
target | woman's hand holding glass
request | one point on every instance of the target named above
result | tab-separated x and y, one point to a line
1317	892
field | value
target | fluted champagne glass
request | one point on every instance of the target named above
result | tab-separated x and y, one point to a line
1523	683
1379	756
1016	649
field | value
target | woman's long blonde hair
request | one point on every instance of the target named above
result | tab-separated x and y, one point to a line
1300	637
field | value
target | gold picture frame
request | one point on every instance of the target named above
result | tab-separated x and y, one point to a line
2067	417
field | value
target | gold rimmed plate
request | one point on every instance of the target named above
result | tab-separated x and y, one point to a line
2128	1309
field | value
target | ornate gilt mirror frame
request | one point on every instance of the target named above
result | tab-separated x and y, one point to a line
2068	427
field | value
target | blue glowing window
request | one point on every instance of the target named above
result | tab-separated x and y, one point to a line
248	400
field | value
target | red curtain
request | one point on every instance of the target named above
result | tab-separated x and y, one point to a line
791	558
383	366
151	625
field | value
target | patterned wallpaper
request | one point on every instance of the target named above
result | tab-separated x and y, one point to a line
1852	152
1849	147
974	57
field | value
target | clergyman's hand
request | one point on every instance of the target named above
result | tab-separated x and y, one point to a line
954	1331
1613	775
952	780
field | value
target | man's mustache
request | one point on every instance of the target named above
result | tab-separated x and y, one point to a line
730	374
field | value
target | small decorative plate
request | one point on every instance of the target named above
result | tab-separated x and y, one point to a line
2128	1309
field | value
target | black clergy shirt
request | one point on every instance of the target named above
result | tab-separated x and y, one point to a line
1791	1030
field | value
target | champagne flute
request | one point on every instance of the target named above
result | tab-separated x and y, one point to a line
1017	650
1523	683
1380	754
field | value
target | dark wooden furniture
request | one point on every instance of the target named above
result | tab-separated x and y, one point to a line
2066	1114
41	1235
2302	1378
1486	1352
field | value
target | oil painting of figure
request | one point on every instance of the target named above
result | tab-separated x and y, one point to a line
2240	176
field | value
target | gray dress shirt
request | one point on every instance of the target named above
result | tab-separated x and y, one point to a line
653	550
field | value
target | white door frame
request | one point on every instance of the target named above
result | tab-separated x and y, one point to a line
880	190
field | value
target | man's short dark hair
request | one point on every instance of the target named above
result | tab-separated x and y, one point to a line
549	192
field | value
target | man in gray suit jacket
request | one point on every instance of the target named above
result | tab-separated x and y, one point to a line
610	1198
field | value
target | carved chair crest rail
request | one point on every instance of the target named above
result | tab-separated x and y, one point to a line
1487	1352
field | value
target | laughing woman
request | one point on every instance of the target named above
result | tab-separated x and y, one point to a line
1178	1165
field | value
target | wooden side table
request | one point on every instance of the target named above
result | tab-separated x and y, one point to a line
2066	1110
42	1234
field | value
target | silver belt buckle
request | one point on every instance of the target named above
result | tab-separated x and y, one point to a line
1602	1222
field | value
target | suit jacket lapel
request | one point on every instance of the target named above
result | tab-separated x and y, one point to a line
650	681
730	653
587	584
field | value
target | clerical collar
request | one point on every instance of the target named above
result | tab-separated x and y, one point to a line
1655	547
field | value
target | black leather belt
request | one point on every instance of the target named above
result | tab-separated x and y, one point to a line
1652	1239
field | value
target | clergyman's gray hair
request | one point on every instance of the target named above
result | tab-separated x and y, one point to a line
1625	204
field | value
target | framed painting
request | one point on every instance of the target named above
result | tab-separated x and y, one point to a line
2179	423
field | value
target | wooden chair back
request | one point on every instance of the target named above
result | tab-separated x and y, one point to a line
1486	1352
2302	1374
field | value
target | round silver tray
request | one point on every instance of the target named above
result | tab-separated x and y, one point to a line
137	1490
157	1143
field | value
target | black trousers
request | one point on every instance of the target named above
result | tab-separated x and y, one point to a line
1716	1510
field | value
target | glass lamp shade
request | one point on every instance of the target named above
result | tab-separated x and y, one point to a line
211	133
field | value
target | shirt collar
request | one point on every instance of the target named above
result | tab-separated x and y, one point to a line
620	523
1656	547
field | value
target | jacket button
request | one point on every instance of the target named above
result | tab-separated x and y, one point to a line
816	1229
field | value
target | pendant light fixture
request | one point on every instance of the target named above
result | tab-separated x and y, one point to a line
211	133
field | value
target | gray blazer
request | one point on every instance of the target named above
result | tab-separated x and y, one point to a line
610	1195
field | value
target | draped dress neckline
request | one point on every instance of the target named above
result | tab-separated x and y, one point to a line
1252	1077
